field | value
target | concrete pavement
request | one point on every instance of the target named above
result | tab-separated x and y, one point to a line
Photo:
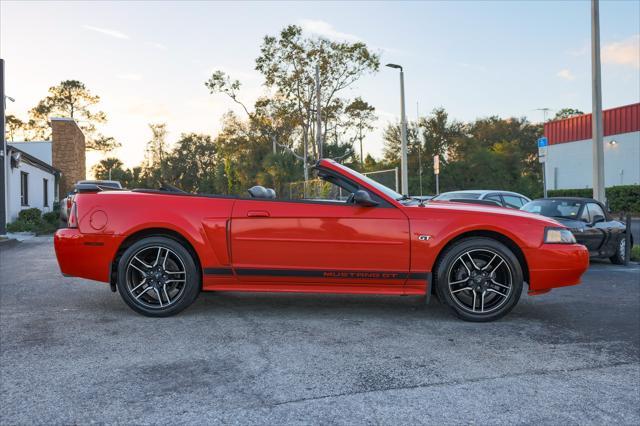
72	352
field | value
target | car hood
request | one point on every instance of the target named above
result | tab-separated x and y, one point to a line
484	210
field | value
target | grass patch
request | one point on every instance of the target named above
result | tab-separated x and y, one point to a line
635	253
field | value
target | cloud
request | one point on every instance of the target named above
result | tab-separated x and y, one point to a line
566	74
106	31
158	46
325	29
131	76
625	52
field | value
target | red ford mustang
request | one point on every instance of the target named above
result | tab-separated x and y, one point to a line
159	249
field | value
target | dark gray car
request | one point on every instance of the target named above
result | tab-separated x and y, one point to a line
589	221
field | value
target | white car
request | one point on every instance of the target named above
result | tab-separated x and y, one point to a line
508	199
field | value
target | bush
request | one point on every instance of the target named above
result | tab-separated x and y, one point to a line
635	253
622	198
30	215
32	220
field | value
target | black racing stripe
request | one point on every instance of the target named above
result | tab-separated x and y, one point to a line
218	271
306	273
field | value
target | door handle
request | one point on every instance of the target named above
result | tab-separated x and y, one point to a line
257	213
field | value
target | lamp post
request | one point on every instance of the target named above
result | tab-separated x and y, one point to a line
403	129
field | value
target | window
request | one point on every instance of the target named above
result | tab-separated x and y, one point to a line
323	188
45	192
494	197
596	210
24	188
458	196
585	215
513	201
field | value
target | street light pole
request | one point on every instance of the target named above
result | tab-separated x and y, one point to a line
403	128
3	155
596	116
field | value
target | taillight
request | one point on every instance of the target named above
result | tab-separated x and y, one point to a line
72	221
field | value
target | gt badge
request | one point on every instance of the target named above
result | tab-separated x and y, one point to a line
424	237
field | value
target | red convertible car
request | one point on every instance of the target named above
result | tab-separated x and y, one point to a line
160	248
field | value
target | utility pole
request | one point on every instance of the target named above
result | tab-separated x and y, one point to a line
318	114
419	147
3	157
596	116
403	128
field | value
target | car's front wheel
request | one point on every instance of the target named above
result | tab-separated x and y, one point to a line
479	278
157	277
621	252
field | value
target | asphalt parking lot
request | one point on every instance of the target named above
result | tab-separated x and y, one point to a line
72	352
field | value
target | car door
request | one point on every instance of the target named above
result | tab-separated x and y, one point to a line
310	243
608	232
591	235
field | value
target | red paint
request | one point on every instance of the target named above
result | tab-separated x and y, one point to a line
253	245
624	119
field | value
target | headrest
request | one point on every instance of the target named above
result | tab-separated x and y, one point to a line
271	194
258	192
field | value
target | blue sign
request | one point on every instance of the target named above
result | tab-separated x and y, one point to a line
542	142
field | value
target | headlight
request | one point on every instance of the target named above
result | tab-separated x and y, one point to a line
558	236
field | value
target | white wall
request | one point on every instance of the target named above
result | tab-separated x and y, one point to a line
570	165
36	193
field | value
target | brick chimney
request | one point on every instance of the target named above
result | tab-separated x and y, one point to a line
68	152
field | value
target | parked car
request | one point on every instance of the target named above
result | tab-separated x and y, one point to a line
590	223
161	248
508	199
65	204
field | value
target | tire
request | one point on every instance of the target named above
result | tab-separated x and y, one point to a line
618	257
480	279
158	267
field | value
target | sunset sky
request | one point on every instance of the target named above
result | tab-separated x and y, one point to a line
148	61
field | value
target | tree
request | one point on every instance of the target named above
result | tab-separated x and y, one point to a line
288	62
567	113
13	126
192	163
156	153
72	99
361	115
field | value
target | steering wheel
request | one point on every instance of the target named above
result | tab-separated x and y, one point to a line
351	198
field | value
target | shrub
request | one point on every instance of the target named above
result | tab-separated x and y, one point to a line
32	220
622	198
30	215
51	218
635	253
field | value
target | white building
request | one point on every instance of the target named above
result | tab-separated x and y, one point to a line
31	180
569	162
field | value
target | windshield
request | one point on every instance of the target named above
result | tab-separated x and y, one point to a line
377	185
567	209
458	196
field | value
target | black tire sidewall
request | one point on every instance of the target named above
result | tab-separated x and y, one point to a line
453	252
192	285
618	258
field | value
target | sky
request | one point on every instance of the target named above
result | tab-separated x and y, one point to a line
148	61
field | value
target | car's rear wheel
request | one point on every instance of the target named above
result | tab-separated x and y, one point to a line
479	278
621	251
157	277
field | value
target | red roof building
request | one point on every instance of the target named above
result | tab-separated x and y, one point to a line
570	159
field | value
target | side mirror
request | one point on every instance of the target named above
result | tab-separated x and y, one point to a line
598	218
364	199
